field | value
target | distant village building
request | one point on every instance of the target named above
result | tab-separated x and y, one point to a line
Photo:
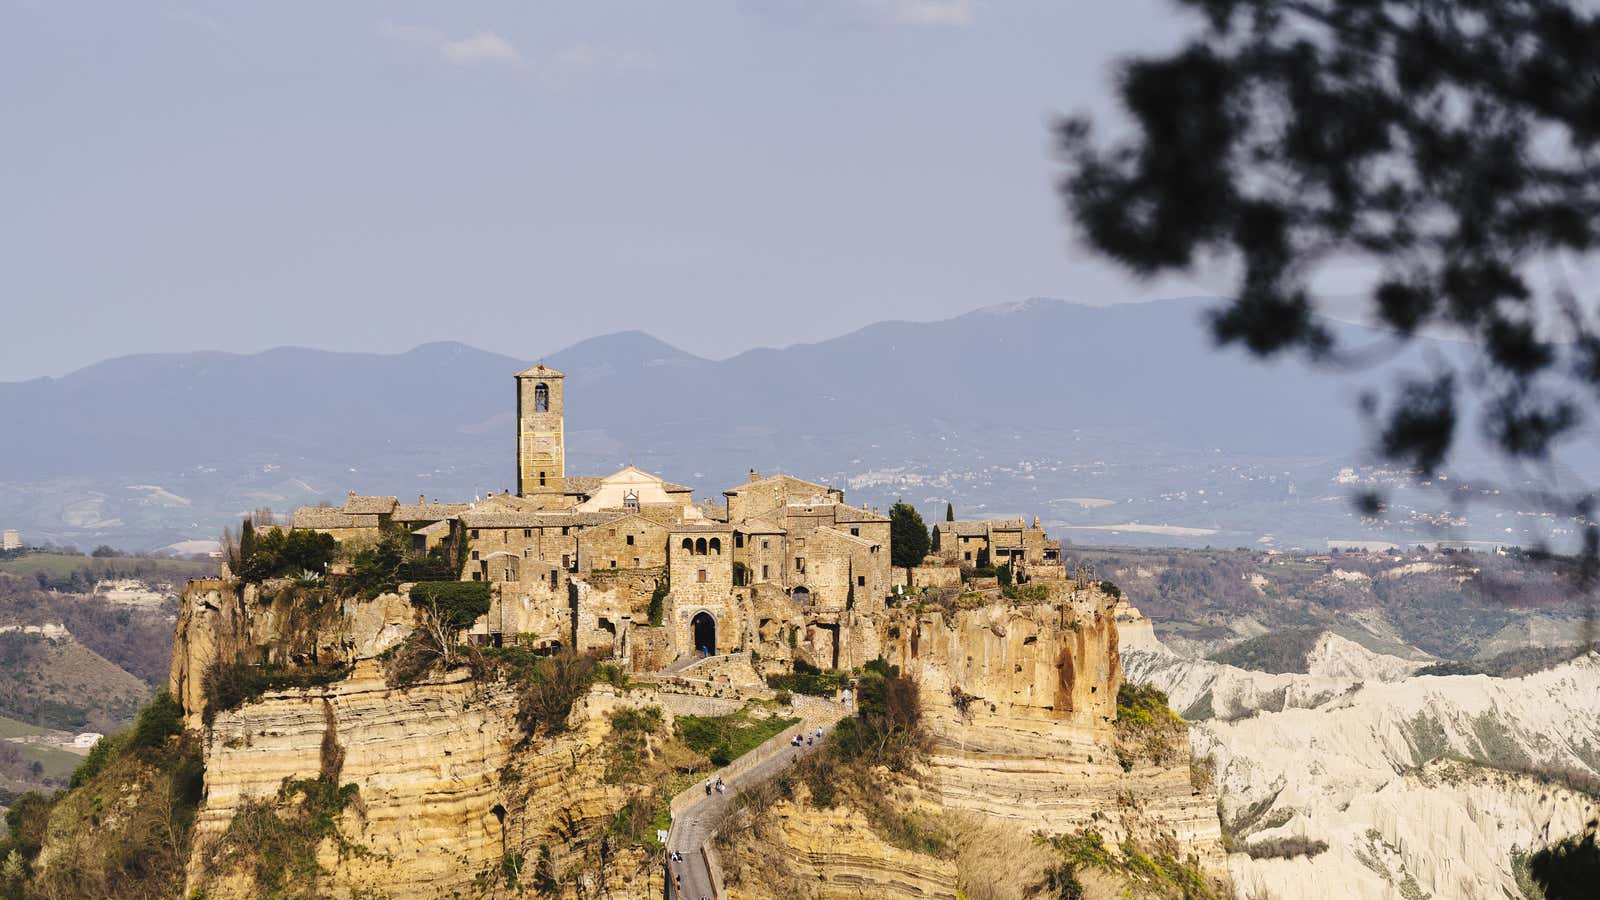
782	563
10	539
995	542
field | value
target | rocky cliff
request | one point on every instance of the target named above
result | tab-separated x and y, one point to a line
470	781
1400	784
1020	703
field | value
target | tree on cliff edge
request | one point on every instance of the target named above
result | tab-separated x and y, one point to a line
908	536
1451	148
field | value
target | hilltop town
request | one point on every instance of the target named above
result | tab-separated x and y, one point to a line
630	565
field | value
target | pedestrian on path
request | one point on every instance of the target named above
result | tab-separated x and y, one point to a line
708	787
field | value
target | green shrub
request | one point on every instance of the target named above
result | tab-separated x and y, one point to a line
726	738
460	603
229	686
658	602
1146	725
160	719
277	554
1109	588
814	683
1026	593
548	689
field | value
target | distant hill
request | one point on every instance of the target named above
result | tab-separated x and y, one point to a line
1007	409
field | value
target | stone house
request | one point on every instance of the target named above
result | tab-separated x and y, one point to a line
999	541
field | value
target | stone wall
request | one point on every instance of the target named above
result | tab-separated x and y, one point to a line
632	542
935	576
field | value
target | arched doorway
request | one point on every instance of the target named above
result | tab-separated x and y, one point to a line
801	595
703	629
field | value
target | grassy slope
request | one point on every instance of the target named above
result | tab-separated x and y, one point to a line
58	566
1275	652
65	685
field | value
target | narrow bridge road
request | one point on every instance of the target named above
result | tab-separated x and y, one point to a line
693	827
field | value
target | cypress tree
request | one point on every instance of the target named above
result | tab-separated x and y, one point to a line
247	540
908	535
949	512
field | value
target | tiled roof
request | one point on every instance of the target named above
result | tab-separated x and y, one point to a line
702	527
671	488
541	371
356	504
844	512
821	488
759	526
517	518
439	527
711	511
979	529
314	517
580	484
428	512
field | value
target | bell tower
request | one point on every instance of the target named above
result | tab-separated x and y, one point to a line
541	437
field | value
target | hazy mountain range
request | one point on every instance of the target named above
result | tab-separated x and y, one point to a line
1083	415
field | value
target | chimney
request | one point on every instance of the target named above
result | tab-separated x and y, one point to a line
754	475
421	499
1036	521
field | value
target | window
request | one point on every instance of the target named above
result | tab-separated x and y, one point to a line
527	552
564	529
613	564
477	576
507	576
474	554
799	564
630	540
856	532
636	562
541	397
765	544
566	560
505	537
474	533
553	577
738	539
700	576
541	479
716	546
967	556
861	581
764	575
527	532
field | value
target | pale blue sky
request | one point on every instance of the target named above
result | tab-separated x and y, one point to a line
519	176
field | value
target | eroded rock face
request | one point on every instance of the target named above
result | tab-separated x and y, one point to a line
823	854
1402	776
225	621
1052	662
444	783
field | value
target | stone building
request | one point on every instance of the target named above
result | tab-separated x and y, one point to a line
10	540
541	435
782	565
996	542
